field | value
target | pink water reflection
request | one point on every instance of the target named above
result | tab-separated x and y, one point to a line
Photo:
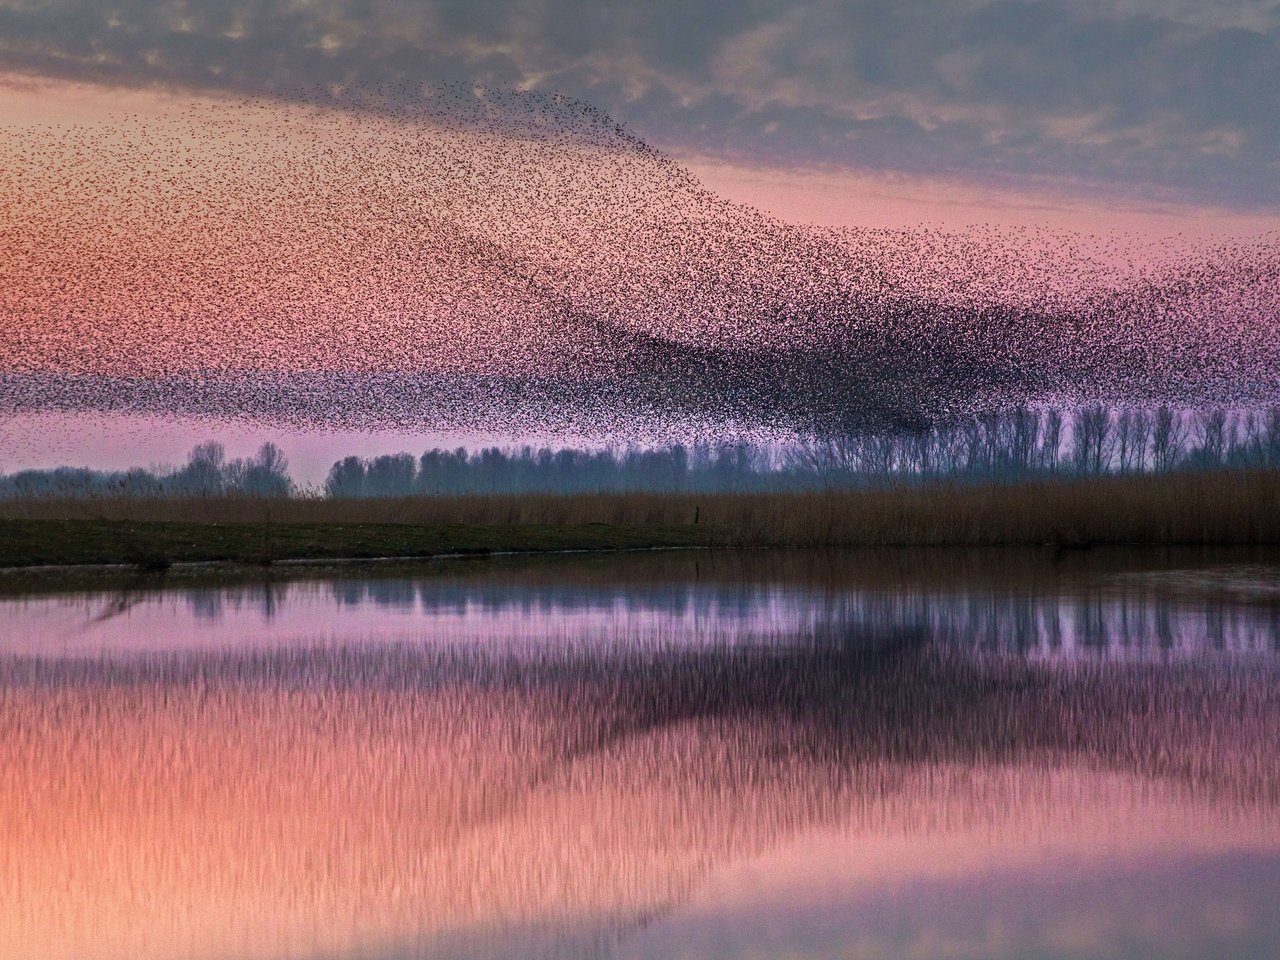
554	762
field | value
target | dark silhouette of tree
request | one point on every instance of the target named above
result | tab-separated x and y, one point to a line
1093	440
1004	446
265	475
346	478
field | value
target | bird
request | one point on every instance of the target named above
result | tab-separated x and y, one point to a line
504	261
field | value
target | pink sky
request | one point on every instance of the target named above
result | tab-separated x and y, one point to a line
159	338
825	196
846	198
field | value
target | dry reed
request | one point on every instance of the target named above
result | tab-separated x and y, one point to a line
1224	507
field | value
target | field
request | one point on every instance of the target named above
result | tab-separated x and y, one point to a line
1223	507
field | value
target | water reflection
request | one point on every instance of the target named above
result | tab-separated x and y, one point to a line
1124	605
732	757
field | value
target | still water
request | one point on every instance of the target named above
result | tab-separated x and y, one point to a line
910	755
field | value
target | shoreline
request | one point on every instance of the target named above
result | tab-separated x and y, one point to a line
1227	509
323	563
417	562
54	546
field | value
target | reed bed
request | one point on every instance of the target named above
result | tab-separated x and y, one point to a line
1230	506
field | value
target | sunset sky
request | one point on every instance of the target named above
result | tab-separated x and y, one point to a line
1139	118
1159	104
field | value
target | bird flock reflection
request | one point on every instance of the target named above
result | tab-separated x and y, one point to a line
393	789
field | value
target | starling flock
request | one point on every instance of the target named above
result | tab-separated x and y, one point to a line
471	259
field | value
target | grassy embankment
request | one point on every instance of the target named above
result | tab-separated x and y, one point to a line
1229	507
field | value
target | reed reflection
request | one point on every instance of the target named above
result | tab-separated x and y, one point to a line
1122	606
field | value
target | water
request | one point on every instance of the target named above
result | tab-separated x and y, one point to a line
930	754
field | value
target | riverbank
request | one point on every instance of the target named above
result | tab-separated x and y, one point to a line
1221	508
159	544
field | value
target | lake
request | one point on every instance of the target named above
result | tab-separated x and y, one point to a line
912	754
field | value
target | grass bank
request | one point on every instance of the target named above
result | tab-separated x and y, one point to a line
1220	508
156	544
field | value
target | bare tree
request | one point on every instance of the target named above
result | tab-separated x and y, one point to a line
203	473
1168	439
1140	427
1247	450
1271	437
1132	432
1024	430
921	451
993	429
1211	437
1124	441
265	475
1050	449
1092	439
971	446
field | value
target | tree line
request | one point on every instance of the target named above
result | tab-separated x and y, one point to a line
702	467
207	472
999	446
1089	440
1008	445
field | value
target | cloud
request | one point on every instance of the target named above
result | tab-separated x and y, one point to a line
1164	98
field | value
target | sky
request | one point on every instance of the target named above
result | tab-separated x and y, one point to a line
1160	103
1154	120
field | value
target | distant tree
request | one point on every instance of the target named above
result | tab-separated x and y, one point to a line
880	453
972	450
1270	437
1050	447
1092	439
1021	433
346	478
1211	438
390	476
137	482
922	453
1246	451
994	432
1168	439
679	467
1140	429
264	475
1132	434
203	473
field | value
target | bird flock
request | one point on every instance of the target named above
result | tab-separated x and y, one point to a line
477	260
